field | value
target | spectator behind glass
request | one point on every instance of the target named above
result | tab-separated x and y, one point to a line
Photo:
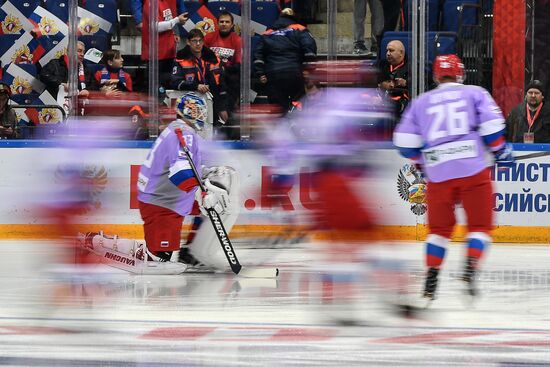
137	11
398	96
112	79
279	57
198	69
56	74
377	24
167	21
227	46
395	64
8	118
529	121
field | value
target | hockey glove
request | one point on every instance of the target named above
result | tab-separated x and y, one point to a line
215	197
504	157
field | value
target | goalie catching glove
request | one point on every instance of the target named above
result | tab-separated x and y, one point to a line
215	197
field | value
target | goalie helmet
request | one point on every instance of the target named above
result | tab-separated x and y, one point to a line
192	109
448	66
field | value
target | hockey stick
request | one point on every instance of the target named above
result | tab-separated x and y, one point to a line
225	243
532	155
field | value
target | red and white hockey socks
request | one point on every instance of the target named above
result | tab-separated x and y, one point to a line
436	248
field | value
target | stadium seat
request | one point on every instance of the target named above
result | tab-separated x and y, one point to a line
488	6
434	10
13	22
59	8
264	12
7	41
460	18
92	66
99	41
24	82
106	9
441	43
218	6
26	7
192	6
280	3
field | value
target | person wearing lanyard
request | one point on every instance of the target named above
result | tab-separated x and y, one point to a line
198	69
529	121
395	64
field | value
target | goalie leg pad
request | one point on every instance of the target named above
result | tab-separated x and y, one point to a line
99	243
128	255
206	246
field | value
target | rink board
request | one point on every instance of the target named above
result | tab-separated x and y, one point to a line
32	181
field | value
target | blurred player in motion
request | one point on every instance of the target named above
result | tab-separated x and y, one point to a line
329	142
448	131
167	190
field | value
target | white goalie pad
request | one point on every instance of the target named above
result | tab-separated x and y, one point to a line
206	247
128	255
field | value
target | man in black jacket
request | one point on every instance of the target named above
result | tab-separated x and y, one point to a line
395	65
56	74
279	56
198	69
529	121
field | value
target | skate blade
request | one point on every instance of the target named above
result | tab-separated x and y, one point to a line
427	302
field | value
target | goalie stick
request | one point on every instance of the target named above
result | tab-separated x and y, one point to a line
219	228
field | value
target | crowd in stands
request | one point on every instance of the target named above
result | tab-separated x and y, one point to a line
199	51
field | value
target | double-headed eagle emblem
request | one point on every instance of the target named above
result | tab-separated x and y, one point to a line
412	188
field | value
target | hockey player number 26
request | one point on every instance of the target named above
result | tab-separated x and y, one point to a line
448	119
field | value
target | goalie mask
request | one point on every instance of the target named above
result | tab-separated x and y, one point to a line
192	109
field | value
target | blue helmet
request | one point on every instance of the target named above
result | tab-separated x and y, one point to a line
192	109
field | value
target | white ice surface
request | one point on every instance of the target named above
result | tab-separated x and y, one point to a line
115	319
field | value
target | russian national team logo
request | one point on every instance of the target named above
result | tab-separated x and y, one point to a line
88	26
49	116
11	25
22	55
21	86
412	188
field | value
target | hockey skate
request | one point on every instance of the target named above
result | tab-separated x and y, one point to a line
193	265
129	255
469	276
431	284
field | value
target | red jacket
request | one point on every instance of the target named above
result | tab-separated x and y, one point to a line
166	43
227	48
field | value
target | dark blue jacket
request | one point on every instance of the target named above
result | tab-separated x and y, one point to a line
284	48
